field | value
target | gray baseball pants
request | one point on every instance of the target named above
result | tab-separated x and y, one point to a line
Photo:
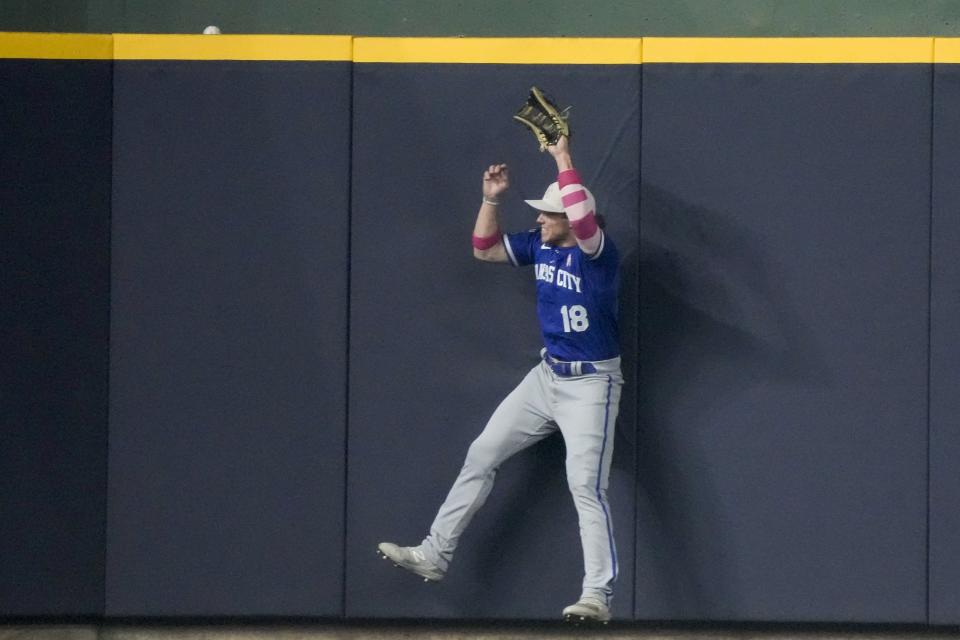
584	409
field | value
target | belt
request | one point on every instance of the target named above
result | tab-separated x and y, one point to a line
568	369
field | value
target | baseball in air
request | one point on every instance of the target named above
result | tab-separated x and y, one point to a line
212	30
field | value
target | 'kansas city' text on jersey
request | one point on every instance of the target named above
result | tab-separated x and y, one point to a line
576	295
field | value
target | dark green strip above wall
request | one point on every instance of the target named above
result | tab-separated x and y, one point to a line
493	18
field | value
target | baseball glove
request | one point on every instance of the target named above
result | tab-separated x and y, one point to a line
543	118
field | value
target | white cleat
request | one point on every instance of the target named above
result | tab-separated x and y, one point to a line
587	611
411	559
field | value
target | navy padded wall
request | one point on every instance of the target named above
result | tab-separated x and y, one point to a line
439	338
55	285
776	470
783	331
945	353
228	338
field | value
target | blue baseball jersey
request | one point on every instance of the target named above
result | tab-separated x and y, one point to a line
576	295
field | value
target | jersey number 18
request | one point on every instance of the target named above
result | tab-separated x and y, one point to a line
574	318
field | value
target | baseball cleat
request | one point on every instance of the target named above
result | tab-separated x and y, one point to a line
587	611
411	559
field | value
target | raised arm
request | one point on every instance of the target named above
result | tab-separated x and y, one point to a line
577	201
487	237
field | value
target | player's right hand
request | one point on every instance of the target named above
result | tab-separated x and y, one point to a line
496	180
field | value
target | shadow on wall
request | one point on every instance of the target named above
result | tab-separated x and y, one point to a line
716	321
538	494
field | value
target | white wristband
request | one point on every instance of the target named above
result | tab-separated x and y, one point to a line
487	200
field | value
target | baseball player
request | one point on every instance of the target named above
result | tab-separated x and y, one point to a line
574	389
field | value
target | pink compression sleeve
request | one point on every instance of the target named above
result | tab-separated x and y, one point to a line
580	207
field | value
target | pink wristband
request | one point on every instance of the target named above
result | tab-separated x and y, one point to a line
482	244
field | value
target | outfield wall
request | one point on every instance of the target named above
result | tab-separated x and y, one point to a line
260	344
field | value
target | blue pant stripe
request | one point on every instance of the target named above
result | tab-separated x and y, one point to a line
603	448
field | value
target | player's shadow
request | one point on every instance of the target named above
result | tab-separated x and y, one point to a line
507	553
714	321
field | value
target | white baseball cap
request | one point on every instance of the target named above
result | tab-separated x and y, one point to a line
552	201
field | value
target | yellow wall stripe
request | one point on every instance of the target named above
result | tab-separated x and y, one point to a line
56	46
499	50
230	47
788	50
947	50
67	46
